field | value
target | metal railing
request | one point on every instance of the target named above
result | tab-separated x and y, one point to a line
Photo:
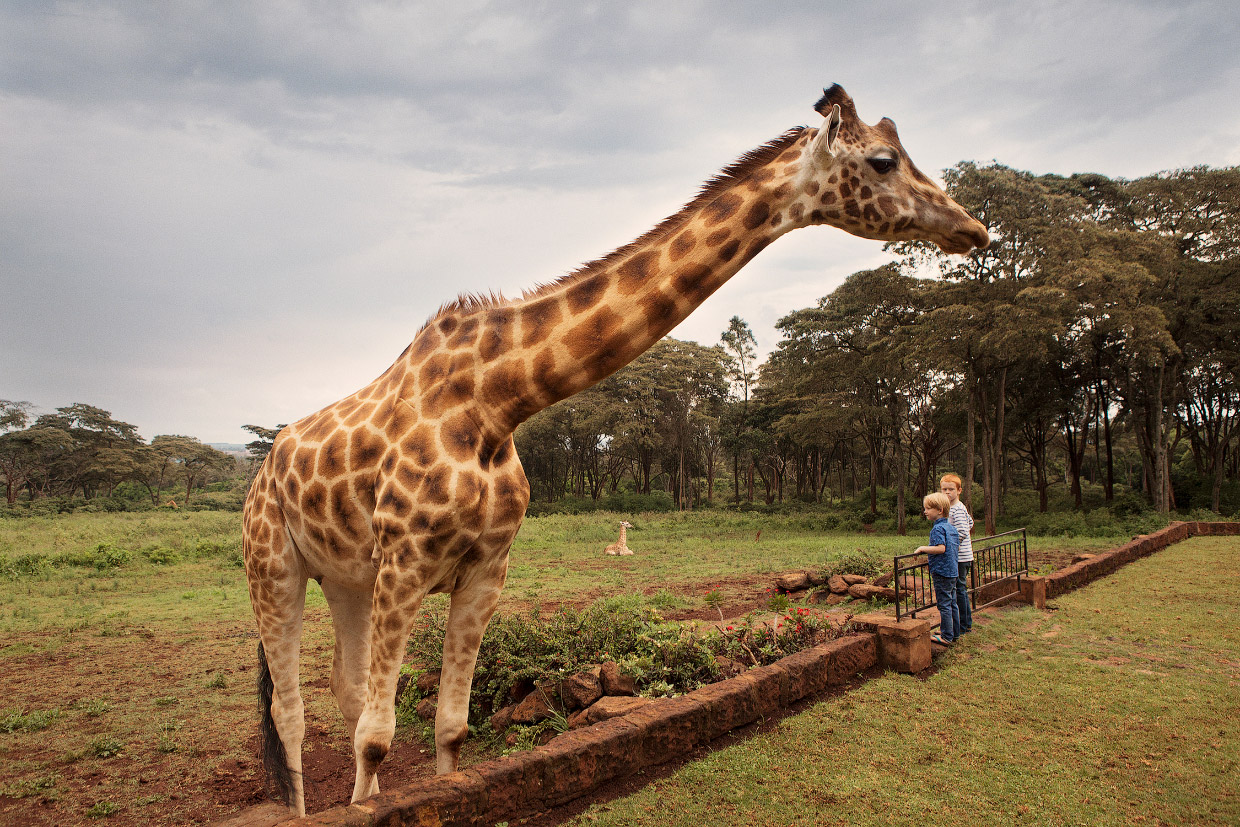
996	559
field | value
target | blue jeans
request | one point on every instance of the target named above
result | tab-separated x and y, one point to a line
945	597
964	609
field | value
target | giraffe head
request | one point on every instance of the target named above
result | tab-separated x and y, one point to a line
858	178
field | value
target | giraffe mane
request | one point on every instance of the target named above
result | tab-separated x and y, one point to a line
727	177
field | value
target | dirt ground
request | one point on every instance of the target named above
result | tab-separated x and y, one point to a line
97	763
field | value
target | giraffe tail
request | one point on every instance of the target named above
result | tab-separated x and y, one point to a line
275	760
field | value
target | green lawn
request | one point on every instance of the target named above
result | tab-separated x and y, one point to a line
147	647
1117	705
183	568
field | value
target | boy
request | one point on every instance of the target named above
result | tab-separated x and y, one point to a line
960	519
941	552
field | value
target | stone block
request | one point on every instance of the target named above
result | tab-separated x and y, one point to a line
455	798
428	682
902	645
793	581
1033	591
670	728
865	591
730	704
615	682
613	706
515	783
534	708
582	689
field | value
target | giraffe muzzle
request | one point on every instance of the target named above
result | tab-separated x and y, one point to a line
973	236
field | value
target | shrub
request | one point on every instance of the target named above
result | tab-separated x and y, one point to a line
859	561
161	556
526	649
26	565
758	644
106	746
103	809
16	721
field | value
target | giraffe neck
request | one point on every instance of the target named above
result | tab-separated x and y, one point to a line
574	333
623	541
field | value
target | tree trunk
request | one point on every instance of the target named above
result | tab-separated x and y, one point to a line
970	457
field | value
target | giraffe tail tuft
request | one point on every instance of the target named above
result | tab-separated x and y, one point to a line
275	760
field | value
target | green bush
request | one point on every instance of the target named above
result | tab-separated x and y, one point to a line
859	561
161	556
526	649
17	721
25	565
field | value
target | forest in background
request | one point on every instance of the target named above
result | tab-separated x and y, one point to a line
1096	339
1087	358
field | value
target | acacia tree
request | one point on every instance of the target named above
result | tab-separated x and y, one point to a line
14	451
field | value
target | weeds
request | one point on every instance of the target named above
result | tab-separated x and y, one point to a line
106	746
44	786
17	721
95	708
103	809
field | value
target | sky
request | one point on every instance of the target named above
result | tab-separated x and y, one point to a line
215	214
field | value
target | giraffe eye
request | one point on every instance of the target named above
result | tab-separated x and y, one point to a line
882	165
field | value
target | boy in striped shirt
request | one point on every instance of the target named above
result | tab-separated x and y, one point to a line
958	517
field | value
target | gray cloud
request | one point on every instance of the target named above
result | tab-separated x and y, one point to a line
219	213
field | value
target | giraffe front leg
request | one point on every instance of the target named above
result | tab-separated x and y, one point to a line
473	602
397	598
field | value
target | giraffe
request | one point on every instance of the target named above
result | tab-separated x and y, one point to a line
621	546
412	485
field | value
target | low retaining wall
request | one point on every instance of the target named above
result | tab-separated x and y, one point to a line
575	762
1100	565
578	761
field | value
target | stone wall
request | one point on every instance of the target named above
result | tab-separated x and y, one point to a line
1100	565
580	760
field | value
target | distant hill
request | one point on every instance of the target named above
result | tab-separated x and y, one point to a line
230	448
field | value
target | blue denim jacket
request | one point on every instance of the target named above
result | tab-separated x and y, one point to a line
943	533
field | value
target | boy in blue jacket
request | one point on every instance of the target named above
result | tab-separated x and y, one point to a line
941	551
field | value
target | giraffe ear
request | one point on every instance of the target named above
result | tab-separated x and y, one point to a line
824	144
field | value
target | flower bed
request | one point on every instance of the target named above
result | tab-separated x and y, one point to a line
539	676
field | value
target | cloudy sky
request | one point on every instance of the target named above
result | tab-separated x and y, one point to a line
217	213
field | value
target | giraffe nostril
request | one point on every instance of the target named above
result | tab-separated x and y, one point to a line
978	235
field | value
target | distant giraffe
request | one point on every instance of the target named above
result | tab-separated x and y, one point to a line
412	485
621	546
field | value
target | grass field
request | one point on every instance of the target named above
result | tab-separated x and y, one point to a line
1115	706
127	647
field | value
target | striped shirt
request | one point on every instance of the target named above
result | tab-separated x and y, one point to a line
959	517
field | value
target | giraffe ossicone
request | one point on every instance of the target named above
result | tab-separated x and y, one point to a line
412	485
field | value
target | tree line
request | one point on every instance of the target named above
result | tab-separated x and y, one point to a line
1097	337
83	451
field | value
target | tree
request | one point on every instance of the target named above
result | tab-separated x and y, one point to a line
14	453
740	352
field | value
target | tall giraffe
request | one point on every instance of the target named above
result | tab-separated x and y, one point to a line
412	485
